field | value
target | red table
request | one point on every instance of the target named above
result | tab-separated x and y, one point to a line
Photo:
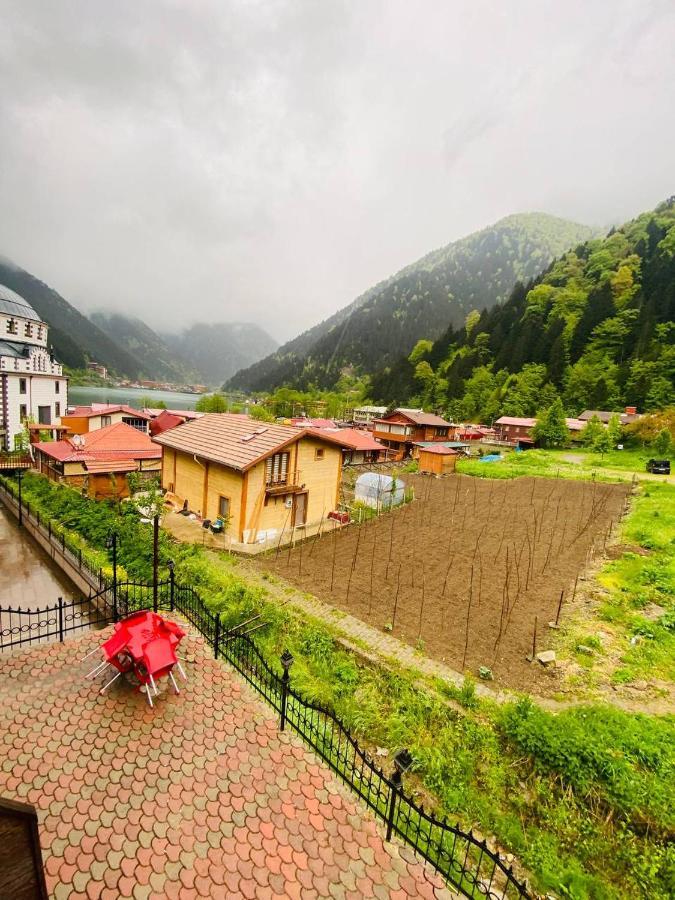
144	643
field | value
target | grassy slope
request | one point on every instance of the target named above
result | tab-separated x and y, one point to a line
584	799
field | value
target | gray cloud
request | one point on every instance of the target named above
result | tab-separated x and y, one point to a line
268	161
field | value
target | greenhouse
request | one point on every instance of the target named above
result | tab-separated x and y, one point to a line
378	490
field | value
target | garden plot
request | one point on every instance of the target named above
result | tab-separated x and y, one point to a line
471	572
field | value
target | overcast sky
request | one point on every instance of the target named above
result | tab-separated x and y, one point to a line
268	161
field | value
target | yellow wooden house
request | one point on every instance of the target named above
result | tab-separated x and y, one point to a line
261	479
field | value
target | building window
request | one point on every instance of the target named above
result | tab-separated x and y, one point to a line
57	409
23	412
276	468
106	420
57	387
224	508
319	453
28	330
22	385
12	327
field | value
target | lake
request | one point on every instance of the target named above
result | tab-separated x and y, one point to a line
84	395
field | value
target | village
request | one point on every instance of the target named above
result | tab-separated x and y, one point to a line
405	542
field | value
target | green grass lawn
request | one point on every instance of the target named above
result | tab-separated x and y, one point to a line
577	463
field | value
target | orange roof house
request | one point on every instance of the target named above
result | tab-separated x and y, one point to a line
359	446
98	461
402	428
82	419
264	481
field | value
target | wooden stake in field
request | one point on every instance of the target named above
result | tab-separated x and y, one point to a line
534	640
468	617
332	568
560	603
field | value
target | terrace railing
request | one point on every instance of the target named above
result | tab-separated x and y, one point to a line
462	858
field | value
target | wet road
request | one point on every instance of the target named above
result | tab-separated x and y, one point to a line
28	578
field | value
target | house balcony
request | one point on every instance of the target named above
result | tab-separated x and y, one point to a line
281	485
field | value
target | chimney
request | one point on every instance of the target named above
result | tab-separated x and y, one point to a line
631	410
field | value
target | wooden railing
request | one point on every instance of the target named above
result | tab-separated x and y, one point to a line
17	460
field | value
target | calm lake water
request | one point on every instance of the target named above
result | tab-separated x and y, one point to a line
135	397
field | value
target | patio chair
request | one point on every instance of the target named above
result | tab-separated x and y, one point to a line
158	660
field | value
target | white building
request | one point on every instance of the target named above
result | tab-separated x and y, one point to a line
364	415
32	384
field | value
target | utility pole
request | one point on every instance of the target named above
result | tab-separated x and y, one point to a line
155	558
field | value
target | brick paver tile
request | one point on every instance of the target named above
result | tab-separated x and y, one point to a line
199	797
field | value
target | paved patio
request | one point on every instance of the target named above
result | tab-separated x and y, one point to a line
200	797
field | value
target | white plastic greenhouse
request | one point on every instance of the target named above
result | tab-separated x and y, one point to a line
379	491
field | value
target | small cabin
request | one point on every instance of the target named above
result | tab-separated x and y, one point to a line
438	460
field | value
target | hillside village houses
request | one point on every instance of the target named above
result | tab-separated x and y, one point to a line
401	429
32	384
261	480
98	462
82	419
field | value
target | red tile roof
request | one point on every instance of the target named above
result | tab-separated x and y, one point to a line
439	449
351	438
418	417
234	440
114	442
164	422
516	420
301	422
106	409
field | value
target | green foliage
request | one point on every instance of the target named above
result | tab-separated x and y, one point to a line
551	429
212	403
260	414
663	444
418	303
591	431
598	326
88	523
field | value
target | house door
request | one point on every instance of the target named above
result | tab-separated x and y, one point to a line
45	415
299	509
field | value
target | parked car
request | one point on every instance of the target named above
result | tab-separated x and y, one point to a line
659	466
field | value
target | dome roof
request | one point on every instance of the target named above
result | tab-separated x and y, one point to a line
13	305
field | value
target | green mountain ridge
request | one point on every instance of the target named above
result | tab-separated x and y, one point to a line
218	349
142	343
419	301
74	337
596	327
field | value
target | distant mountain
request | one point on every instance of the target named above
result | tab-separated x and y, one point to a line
218	349
158	361
74	337
420	301
596	328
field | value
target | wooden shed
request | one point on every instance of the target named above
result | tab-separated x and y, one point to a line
438	460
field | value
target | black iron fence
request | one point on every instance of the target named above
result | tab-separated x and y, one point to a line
462	858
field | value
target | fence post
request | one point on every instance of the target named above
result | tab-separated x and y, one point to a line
216	636
61	619
172	587
402	762
286	662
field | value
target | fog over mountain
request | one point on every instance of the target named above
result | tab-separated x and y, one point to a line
267	162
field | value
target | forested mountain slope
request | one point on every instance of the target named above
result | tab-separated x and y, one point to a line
218	349
157	361
74	337
421	300
597	328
